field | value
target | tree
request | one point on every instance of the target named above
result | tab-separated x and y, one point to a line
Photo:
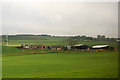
83	37
113	39
98	37
101	38
71	41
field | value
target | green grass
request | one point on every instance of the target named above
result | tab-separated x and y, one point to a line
10	50
13	51
69	64
22	63
45	41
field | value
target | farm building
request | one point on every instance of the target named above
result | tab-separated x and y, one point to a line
100	47
45	47
80	47
39	46
34	46
67	47
75	47
28	46
54	47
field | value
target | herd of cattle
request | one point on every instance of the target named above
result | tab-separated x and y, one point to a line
74	47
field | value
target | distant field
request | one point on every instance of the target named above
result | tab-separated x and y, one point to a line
42	41
17	41
71	64
59	42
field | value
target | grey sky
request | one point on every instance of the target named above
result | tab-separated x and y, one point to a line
60	18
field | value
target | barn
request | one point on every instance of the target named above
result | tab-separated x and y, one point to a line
80	47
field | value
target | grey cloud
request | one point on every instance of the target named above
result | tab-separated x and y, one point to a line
61	18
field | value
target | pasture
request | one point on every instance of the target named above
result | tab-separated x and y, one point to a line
36	63
69	64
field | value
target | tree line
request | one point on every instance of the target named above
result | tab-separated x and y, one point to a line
98	38
68	38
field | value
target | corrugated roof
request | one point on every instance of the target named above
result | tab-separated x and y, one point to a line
78	45
99	46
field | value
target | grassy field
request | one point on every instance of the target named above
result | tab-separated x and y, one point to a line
36	63
42	41
70	64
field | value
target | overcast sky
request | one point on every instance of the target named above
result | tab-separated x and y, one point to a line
60	18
